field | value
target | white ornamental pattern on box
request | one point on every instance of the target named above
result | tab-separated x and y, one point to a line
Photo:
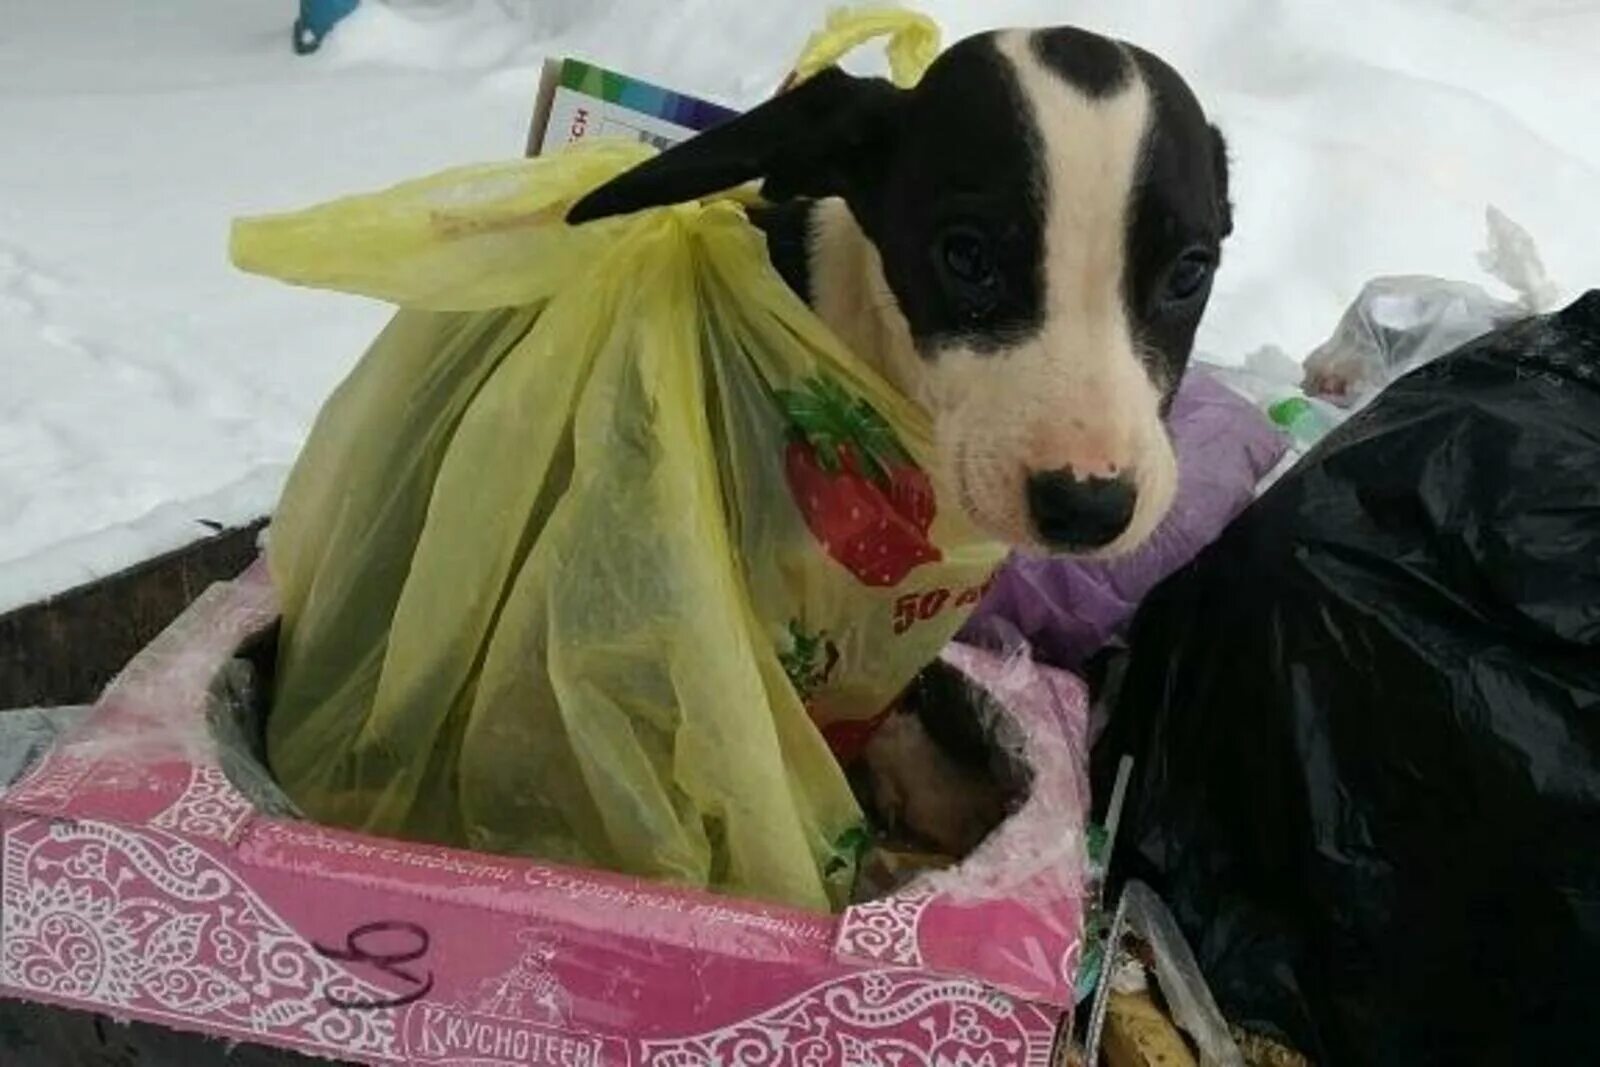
209	807
885	930
50	783
147	924
885	1018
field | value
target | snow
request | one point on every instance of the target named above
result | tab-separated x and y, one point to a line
145	386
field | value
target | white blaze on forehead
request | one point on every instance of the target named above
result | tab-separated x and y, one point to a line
1090	152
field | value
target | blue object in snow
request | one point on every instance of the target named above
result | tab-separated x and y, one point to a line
317	17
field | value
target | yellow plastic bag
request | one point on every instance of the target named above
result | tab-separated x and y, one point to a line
598	533
913	42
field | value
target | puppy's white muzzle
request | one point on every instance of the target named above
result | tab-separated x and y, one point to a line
1048	455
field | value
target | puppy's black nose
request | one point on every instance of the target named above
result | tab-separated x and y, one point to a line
1080	513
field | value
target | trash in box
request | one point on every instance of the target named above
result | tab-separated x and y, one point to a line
150	872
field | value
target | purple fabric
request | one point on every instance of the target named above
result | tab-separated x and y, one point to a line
1068	609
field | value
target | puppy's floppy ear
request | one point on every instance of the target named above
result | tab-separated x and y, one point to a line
826	137
1219	163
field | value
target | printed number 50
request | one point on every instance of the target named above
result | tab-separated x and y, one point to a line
918	607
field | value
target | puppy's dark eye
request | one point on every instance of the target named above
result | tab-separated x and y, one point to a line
1188	277
966	262
966	257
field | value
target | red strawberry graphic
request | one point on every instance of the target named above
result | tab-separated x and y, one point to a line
861	495
912	495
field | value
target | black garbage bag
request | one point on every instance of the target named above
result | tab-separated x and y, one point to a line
1366	724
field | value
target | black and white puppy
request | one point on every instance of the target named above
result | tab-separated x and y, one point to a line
1024	243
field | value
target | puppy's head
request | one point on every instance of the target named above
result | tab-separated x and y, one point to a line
1047	208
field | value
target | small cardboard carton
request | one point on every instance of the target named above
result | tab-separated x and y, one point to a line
145	877
579	100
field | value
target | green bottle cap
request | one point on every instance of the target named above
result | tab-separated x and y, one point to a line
1289	411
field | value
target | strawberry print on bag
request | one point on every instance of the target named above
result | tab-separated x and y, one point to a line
861	494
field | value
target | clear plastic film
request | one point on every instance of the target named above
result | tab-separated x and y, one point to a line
1398	323
26	734
1179	977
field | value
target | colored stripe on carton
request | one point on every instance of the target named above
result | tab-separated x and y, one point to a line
680	110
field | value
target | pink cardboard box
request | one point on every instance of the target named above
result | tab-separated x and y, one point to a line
141	883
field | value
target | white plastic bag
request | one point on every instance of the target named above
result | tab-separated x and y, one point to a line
1399	323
